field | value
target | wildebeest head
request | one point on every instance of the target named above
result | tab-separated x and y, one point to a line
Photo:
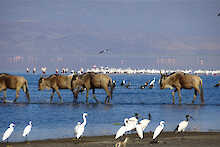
162	80
42	84
76	84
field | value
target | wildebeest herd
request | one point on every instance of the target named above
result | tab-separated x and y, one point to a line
91	80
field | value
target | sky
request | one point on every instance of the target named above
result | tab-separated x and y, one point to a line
138	33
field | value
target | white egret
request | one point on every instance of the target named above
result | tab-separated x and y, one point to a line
122	130
183	124
132	122
151	85
27	129
158	131
8	132
139	131
79	128
144	123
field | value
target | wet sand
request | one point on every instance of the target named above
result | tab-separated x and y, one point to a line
166	139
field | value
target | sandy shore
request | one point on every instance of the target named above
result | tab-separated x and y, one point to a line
167	139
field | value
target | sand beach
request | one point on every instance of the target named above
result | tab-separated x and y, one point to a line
166	139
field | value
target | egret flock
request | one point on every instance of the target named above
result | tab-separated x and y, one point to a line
130	125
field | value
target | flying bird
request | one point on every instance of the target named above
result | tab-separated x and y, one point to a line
183	124
8	132
103	51
27	129
80	127
158	131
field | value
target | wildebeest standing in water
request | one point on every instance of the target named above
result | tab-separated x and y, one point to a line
92	81
179	80
8	81
55	82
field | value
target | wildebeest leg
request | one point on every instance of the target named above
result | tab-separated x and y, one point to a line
58	93
74	98
108	95
178	90
87	95
195	94
173	94
4	97
51	97
94	97
17	94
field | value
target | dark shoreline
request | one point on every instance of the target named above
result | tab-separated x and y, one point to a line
167	139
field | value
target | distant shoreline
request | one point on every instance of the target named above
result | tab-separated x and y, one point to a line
166	139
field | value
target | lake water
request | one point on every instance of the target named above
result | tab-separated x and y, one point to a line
58	120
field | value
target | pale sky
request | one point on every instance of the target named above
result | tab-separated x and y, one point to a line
139	33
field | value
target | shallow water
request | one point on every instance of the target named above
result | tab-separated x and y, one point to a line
58	120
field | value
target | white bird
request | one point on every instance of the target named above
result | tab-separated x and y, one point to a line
27	129
132	122
8	132
151	85
144	123
140	127
139	131
183	124
79	128
157	131
122	130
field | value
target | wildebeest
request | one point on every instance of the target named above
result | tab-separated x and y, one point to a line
179	80
55	82
92	81
217	85
8	81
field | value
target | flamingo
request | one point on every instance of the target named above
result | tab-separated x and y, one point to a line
8	132
79	128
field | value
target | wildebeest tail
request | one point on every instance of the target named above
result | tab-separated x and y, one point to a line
25	88
201	91
111	86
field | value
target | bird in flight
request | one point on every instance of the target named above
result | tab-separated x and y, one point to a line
103	51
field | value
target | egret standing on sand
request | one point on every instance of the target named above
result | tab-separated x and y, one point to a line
183	124
132	122
8	132
122	130
27	129
79	128
144	123
158	131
